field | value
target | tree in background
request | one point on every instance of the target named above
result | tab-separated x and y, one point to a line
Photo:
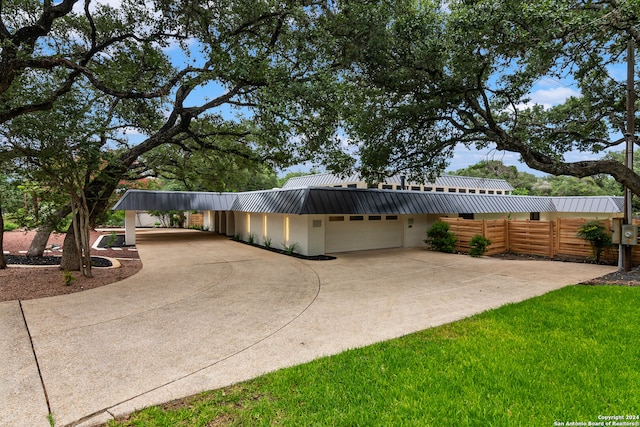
529	184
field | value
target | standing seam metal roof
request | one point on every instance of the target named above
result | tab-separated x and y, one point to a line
329	200
451	181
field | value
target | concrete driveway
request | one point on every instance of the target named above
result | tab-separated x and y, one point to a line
206	312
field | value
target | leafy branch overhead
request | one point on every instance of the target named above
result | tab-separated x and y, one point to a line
430	75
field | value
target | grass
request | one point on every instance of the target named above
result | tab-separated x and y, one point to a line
568	356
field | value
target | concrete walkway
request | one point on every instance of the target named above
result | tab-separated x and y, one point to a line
206	312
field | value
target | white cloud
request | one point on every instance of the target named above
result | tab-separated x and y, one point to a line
553	96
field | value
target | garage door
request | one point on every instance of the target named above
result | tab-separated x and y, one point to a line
360	232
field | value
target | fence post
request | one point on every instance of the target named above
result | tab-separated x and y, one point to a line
484	228
556	240
551	239
507	242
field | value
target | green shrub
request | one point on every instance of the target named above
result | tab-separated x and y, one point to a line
478	245
290	249
68	278
597	236
10	226
439	238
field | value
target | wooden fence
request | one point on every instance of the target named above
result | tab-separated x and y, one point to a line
545	238
196	219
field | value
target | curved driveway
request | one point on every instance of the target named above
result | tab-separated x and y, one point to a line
205	312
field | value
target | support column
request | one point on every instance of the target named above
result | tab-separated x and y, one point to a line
130	228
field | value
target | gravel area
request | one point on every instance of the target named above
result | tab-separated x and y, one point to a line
28	282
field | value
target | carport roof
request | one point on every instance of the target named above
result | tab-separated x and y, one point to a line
146	200
329	200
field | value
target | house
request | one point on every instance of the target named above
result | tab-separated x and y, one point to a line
327	219
442	184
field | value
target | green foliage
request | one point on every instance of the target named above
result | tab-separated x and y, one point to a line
112	239
113	218
478	245
290	248
267	242
473	77
439	238
197	227
597	236
251	238
68	278
10	226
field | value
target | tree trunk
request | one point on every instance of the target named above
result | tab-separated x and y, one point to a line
39	242
70	256
3	262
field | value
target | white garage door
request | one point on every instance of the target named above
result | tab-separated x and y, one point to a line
346	233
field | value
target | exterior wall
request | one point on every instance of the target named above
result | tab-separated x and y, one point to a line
275	230
316	225
227	223
316	235
415	229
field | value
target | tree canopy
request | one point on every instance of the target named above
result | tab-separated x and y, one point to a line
429	75
241	81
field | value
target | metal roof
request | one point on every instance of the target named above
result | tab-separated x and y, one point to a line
330	200
145	200
451	181
604	204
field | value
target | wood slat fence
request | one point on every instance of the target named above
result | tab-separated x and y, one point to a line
545	238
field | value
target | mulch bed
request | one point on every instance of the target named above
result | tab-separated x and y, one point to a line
39	277
51	260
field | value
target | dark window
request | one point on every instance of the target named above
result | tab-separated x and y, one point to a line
490	191
338	186
483	191
440	189
465	215
534	216
375	217
415	188
452	190
462	190
428	188
391	217
352	186
356	218
472	191
498	192
336	218
387	187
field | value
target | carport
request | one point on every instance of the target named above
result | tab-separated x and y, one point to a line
216	207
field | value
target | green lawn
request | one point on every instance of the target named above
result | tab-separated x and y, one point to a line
569	356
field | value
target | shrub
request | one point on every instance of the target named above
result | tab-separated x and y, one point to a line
10	226
597	236
439	238
478	245
68	278
289	249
